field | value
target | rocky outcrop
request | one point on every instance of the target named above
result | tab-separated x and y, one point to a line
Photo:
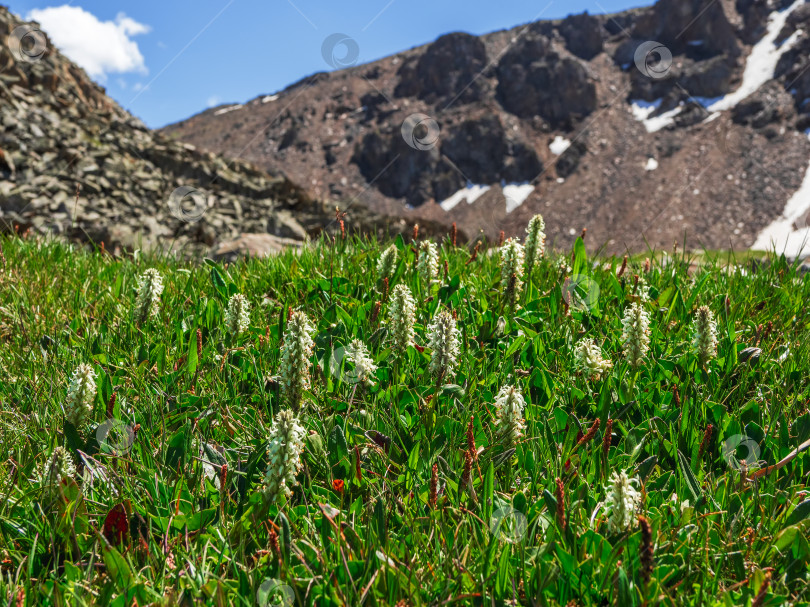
72	162
477	150
583	35
534	80
448	70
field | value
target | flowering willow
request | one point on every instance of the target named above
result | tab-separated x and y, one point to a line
57	468
704	334
80	395
636	333
511	270
621	502
295	355
237	317
283	455
428	264
150	286
589	359
535	242
402	313
387	263
509	406
443	339
364	367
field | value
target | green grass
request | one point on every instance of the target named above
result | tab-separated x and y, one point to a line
718	537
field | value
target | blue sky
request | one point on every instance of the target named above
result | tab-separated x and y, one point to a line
166	60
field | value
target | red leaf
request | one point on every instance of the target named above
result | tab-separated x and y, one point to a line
116	525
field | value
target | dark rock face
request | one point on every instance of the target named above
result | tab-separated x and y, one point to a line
794	65
533	80
478	150
569	160
583	35
449	69
677	23
710	78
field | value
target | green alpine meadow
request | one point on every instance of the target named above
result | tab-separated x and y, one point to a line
403	423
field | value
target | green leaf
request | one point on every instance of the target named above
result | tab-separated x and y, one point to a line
192	351
580	257
117	567
799	513
691	481
489	491
339	453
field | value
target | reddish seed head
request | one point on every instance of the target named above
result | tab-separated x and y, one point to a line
471	438
584	231
415	231
646	550
707	437
623	268
358	471
607	438
453	234
199	343
501	238
560	494
272	539
590	434
223	478
111	405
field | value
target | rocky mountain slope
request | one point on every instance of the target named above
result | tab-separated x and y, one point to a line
73	162
685	119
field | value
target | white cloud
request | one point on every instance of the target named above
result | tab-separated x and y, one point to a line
213	100
100	47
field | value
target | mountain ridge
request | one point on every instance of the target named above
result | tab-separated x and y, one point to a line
562	106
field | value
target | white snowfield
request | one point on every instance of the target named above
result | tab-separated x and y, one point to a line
230	108
559	145
759	69
514	193
790	233
471	193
